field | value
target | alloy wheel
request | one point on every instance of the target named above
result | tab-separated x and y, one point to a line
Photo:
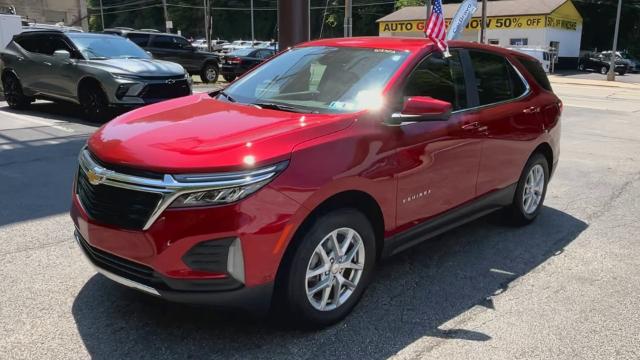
533	189
211	74
335	269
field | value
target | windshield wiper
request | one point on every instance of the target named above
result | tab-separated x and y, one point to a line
283	107
223	93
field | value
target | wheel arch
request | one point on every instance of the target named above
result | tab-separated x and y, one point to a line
546	150
349	199
7	71
216	62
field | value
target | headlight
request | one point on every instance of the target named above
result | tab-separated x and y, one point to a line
126	76
225	188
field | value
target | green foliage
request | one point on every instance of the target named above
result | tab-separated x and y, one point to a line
599	18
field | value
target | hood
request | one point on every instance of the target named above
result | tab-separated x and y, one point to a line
139	67
199	134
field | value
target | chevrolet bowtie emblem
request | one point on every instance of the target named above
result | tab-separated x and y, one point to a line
94	178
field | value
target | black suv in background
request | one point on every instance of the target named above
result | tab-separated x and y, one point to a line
175	48
601	63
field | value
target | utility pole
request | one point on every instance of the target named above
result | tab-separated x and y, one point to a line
102	15
611	76
206	25
483	26
253	34
166	17
293	22
428	10
348	18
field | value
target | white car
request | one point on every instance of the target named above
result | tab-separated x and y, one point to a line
544	56
236	45
200	44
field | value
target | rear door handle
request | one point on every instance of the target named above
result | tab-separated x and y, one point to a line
471	126
476	127
532	110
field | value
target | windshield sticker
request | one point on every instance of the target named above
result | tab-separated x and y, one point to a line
340	105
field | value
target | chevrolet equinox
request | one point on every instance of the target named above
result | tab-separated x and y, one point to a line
287	187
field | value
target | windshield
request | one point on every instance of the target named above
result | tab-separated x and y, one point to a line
320	79
107	47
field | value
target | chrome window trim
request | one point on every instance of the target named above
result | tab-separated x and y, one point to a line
173	186
526	93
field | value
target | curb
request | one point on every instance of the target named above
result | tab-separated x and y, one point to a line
593	83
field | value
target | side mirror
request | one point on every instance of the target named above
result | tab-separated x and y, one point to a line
62	55
423	108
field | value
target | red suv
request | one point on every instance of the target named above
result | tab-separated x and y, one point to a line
292	183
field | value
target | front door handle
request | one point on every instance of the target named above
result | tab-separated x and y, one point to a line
47	63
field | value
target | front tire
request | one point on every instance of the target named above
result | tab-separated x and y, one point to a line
328	270
581	68
14	94
209	73
531	191
229	78
604	70
94	103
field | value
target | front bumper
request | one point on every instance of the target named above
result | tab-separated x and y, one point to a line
231	294
129	93
196	255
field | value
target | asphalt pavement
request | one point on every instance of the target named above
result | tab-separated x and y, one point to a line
565	287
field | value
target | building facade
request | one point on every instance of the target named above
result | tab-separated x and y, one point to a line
69	12
554	25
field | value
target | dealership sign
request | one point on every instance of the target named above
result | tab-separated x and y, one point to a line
493	23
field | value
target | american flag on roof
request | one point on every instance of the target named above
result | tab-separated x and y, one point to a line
436	28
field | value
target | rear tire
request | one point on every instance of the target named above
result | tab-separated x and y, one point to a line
13	93
209	73
604	70
94	103
530	192
320	300
581	68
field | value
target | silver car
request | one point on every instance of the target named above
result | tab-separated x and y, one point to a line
97	71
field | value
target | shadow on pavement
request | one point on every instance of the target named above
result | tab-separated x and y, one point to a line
412	296
61	111
36	172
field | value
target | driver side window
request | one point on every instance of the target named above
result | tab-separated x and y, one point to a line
440	78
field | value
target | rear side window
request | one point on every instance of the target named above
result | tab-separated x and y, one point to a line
535	69
31	43
496	79
139	39
43	44
440	78
163	42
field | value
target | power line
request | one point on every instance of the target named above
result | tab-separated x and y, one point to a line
223	7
